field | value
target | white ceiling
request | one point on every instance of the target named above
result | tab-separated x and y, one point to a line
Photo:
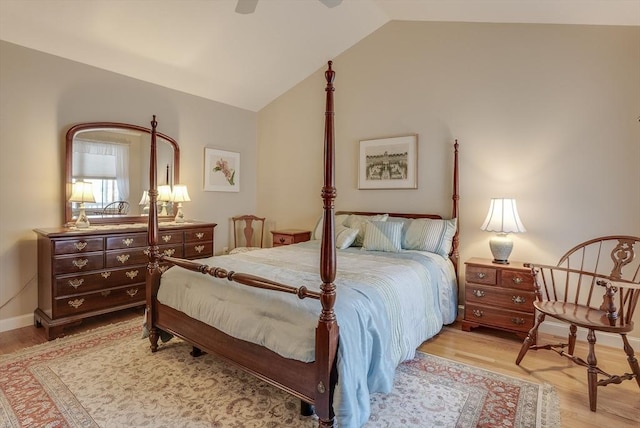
205	48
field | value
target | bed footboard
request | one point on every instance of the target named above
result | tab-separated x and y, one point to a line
314	382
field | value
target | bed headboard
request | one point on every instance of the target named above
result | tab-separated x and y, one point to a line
454	255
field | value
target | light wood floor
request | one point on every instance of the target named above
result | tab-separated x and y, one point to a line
618	405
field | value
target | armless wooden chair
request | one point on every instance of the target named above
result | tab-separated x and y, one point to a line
595	286
247	233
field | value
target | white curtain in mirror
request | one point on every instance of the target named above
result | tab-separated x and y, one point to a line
103	160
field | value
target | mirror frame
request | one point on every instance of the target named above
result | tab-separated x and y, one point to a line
69	167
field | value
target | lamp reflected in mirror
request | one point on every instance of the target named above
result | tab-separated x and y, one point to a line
82	192
180	195
144	203
164	196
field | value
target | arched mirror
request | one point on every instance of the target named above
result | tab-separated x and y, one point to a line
114	159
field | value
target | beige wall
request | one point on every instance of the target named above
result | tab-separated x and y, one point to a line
41	96
547	114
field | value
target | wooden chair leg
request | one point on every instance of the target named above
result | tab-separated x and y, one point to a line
592	372
572	338
530	339
631	358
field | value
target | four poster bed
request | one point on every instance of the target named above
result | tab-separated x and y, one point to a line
387	299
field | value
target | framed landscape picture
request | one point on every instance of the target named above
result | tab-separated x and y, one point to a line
221	170
389	163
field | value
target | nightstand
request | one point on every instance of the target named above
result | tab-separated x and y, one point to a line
499	296
289	236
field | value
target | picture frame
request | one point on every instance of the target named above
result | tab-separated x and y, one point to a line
221	170
389	163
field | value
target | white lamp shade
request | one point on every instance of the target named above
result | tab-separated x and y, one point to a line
164	193
82	191
180	193
145	198
503	217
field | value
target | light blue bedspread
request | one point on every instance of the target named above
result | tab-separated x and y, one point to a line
387	304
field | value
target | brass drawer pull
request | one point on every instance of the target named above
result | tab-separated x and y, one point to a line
478	293
80	245
75	282
199	235
122	258
80	263
147	252
282	240
169	252
76	303
517	280
481	275
132	292
478	313
518	321
132	274
105	275
166	238
105	293
127	241
199	248
518	300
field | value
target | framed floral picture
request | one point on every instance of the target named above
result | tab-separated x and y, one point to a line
221	170
389	163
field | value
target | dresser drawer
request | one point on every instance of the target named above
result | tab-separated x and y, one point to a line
170	238
482	275
80	263
195	235
73	284
503	298
80	245
120	258
105	299
132	240
501	318
198	250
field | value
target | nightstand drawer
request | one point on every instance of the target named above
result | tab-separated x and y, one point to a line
482	275
517	279
502	298
289	236
501	318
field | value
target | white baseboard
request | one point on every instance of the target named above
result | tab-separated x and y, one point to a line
16	322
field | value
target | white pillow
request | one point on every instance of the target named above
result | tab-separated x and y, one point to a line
317	231
359	222
433	235
345	236
383	236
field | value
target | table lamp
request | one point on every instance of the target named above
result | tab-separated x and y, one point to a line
180	195
81	192
502	219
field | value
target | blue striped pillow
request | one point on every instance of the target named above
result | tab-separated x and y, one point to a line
383	236
433	235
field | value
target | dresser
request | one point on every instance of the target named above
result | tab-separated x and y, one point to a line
499	296
289	236
83	273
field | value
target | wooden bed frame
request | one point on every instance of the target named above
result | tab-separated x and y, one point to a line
312	382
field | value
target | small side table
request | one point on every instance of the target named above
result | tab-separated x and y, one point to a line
290	236
499	296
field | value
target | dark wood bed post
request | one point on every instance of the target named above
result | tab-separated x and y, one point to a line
327	330
153	275
456	211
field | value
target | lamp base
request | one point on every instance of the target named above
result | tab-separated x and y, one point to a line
83	221
501	246
180	215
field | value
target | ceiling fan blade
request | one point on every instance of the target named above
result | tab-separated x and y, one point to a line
331	3
247	6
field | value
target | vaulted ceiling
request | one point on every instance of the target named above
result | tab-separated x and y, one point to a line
206	48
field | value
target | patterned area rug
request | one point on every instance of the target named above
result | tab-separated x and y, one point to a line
108	378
